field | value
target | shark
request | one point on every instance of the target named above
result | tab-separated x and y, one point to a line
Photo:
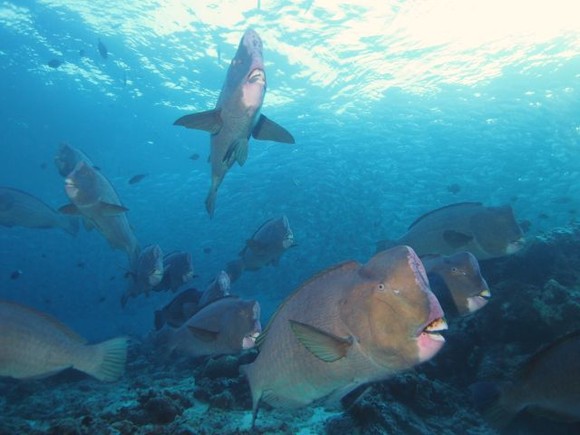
237	115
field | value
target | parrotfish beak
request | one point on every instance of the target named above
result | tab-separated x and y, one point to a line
70	187
479	301
249	341
429	339
514	247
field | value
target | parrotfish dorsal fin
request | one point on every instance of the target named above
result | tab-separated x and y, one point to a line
456	239
27	311
209	121
267	129
323	345
437	210
202	334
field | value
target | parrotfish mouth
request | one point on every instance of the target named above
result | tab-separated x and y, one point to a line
515	246
430	341
477	302
70	187
156	277
249	341
256	75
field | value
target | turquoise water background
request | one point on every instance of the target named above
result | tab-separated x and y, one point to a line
389	104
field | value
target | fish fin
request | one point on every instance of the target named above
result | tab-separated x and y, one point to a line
321	344
105	361
354	396
456	239
486	398
71	225
249	371
209	121
69	209
267	129
108	209
210	202
238	150
203	334
88	224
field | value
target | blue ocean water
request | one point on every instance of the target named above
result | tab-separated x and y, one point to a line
390	104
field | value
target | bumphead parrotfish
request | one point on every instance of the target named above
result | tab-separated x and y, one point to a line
347	326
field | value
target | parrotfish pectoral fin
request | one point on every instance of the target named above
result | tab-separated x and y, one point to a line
70	209
456	239
267	129
209	121
321	344
203	334
111	209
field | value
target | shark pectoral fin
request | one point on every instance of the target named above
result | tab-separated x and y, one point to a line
203	334
267	129
209	121
238	150
69	209
108	209
321	344
456	239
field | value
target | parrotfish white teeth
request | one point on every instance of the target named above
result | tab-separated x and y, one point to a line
435	326
69	182
485	294
252	336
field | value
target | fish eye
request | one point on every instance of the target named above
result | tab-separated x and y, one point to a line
381	287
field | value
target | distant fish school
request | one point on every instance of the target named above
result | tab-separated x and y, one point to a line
347	326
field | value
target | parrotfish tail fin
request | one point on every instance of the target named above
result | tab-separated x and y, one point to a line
105	361
267	129
71	225
383	245
486	399
249	371
234	269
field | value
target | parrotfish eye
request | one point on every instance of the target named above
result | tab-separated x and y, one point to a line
381	287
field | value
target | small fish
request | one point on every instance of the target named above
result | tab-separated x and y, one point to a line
16	274
55	63
136	178
81	264
347	326
102	50
454	188
547	384
43	166
82	53
207	250
457	283
194	156
486	232
34	344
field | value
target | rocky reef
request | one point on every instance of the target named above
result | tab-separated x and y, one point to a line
535	299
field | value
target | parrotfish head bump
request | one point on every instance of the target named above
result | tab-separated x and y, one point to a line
405	317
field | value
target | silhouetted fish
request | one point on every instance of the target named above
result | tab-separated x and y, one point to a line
236	116
16	274
486	232
102	50
194	156
136	178
547	384
454	188
54	63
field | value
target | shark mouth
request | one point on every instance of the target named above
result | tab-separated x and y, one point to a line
256	75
